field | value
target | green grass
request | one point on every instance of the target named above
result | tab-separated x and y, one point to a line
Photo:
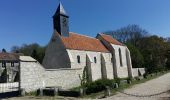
33	93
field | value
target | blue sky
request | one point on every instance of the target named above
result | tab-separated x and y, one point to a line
30	21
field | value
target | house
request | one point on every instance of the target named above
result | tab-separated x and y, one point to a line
9	67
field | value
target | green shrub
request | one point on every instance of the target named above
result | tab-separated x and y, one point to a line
136	78
129	80
145	75
98	85
33	93
117	80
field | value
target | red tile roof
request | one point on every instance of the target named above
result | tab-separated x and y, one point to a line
8	56
110	39
81	42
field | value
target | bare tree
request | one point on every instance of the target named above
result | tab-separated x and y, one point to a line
131	33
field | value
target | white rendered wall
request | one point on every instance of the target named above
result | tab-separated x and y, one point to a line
95	67
109	65
122	71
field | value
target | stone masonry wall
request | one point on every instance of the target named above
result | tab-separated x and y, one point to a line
65	78
138	71
135	72
34	76
141	71
31	76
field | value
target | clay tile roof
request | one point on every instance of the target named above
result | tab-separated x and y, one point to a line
110	39
81	42
8	56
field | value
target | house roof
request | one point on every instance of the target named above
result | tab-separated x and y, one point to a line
8	56
110	39
81	42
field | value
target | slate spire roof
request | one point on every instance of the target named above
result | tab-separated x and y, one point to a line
60	10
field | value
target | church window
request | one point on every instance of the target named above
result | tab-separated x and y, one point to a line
78	59
120	57
95	60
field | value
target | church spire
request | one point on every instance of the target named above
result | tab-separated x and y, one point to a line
60	21
60	10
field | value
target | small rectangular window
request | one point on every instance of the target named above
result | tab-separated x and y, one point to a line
120	57
95	60
78	59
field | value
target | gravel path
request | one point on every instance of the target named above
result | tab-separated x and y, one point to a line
154	86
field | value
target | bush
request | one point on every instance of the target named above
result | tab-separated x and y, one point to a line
117	80
129	80
145	75
98	85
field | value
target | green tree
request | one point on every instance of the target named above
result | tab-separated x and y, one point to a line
3	50
34	50
154	49
168	56
34	54
136	56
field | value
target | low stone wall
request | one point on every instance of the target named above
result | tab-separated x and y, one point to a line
135	72
65	78
34	76
138	71
122	72
141	71
31	76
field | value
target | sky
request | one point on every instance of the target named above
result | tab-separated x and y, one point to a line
30	21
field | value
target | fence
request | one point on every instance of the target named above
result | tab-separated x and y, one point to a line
9	87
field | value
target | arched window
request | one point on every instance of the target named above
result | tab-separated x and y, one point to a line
78	59
120	57
95	60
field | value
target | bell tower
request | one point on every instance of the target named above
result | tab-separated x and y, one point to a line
60	21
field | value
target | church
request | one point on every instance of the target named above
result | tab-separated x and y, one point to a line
68	57
104	56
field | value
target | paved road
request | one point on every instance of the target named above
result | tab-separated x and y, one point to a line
154	86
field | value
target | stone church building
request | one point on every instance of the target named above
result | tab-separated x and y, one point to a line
104	56
68	55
